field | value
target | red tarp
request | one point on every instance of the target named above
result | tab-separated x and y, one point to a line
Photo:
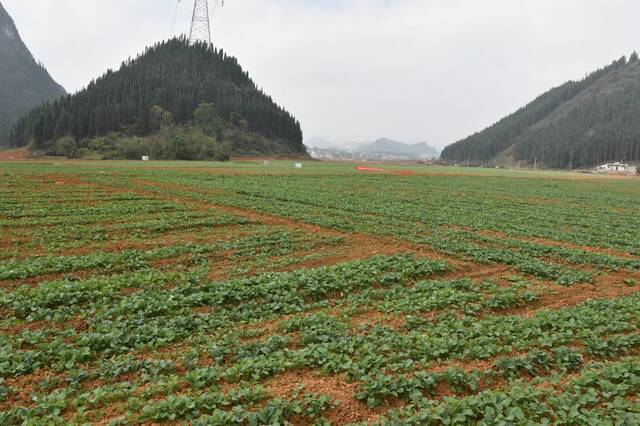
368	169
393	172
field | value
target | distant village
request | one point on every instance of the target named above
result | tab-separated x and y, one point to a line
337	154
382	149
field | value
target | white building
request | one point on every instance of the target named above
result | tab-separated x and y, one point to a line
616	168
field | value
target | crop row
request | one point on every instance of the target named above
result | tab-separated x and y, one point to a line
598	396
154	319
120	323
380	389
133	259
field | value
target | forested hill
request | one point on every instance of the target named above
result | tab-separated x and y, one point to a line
23	82
579	124
176	78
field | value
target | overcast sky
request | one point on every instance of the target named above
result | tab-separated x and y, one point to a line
411	70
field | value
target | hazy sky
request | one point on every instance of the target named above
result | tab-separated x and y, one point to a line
412	70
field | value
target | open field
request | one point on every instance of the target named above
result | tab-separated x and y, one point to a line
213	294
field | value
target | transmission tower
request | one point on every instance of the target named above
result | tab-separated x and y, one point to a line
200	22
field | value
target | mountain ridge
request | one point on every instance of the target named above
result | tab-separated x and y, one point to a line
577	124
389	146
382	148
24	83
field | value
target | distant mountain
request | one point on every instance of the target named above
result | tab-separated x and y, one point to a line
381	149
578	124
387	147
174	101
23	82
322	143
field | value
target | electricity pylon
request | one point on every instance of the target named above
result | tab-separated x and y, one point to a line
200	22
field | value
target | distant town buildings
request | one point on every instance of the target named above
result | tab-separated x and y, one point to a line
339	154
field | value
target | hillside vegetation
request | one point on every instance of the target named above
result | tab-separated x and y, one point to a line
174	101
24	83
578	124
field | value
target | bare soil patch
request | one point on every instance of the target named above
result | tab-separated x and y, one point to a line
25	386
14	154
350	409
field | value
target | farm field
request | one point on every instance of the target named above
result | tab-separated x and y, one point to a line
218	294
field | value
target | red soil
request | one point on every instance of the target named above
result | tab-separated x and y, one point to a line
350	410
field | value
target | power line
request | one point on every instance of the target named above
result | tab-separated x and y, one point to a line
175	16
